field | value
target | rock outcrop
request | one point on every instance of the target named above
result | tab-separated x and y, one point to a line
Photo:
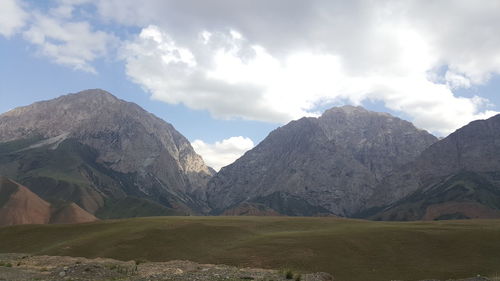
94	149
457	177
72	268
317	166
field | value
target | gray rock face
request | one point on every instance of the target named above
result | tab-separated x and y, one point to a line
126	139
474	147
466	160
333	162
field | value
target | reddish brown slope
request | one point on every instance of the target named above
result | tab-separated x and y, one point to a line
22	205
18	205
71	213
471	210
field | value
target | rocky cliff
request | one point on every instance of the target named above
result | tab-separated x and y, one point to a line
457	177
318	166
96	150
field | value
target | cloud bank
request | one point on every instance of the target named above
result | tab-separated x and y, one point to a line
12	17
280	60
222	153
56	34
69	43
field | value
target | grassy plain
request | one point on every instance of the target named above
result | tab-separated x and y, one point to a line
351	250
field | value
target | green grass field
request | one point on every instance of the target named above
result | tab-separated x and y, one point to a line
349	249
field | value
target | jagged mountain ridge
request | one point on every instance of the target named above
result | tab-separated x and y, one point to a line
330	164
115	160
457	177
94	149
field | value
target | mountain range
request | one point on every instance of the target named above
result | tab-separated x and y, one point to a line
326	165
455	178
112	159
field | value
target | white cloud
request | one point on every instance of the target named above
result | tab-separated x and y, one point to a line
12	17
461	34
226	75
66	42
455	80
176	74
222	153
65	8
276	61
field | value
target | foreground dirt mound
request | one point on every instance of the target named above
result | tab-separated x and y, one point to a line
19	267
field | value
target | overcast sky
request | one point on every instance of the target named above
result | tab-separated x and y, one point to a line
226	72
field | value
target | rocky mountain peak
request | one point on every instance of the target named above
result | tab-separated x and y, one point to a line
89	114
123	137
378	140
353	111
331	163
91	94
473	147
455	178
81	101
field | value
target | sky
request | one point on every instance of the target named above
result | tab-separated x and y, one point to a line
227	72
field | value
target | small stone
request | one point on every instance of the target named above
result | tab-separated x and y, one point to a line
318	276
62	274
178	271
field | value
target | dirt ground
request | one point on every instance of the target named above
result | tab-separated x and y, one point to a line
17	267
23	267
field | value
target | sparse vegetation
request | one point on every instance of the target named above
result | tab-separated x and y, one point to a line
5	264
373	250
108	269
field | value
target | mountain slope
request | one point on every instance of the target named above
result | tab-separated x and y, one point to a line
94	149
70	213
457	177
21	206
317	166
